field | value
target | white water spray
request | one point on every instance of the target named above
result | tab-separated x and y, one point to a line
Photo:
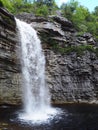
36	98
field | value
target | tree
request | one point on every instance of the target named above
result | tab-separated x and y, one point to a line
44	7
79	18
7	3
51	5
96	11
1	4
69	9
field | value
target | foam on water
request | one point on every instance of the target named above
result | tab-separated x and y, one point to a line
39	117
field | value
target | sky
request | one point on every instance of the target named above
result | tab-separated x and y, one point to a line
90	4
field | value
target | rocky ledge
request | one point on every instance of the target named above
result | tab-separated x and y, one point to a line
71	59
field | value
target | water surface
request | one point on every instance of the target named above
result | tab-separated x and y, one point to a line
72	117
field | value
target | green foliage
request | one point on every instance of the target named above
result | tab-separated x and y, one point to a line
69	9
44	7
69	49
12	5
8	4
41	11
78	49
52	7
38	7
83	20
96	11
1	4
79	17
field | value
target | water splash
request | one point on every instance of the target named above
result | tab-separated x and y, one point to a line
36	98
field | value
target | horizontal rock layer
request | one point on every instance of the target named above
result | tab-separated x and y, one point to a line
71	77
9	68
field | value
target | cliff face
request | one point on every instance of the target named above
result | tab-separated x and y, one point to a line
9	70
72	78
71	60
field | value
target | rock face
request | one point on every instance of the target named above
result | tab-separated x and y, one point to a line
72	76
71	59
9	70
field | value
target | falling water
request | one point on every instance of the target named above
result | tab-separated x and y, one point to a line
36	98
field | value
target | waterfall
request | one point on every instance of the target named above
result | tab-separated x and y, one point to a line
36	98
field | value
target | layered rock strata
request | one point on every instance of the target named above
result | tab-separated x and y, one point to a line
9	69
71	59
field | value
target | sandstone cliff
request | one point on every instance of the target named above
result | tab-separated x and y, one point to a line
71	59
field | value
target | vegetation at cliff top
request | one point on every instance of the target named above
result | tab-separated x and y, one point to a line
78	49
83	20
